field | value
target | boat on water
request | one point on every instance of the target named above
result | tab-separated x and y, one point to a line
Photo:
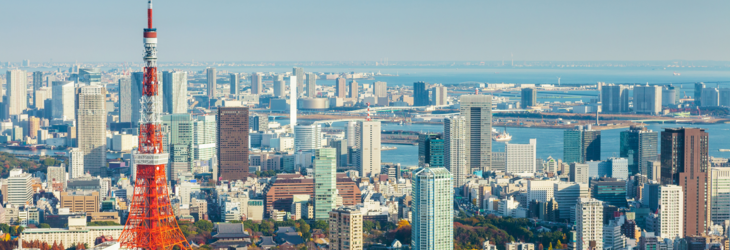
724	150
501	136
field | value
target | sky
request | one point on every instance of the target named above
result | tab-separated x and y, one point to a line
343	30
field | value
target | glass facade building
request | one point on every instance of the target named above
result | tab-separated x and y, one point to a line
432	226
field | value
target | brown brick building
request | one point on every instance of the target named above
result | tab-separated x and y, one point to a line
233	143
685	162
279	194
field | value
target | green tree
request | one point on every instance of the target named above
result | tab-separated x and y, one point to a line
368	225
204	226
322	225
44	225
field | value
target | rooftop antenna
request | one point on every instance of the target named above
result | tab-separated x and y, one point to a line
368	117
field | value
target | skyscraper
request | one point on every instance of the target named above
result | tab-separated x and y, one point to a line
581	144
698	93
307	137
64	99
420	94
670	95
720	194
205	136
212	85
710	97
477	110
178	142
75	163
353	90
292	101
614	99
233	84
521	158
440	96
125	100
40	96
648	99
91	130
233	143
432	224
20	190
298	73
90	76
431	150
380	89
340	88
279	88
639	145
589	224
528	97
175	88
325	182
346	231
311	85
455	155
256	83
17	95
37	80
685	162
369	148
259	122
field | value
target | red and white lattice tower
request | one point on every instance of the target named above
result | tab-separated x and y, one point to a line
368	118
151	224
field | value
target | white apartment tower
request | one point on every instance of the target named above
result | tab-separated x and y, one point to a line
439	95
345	229
589	223
20	191
175	90
455	157
91	128
369	148
17	93
75	163
432	223
671	214
521	158
648	99
477	110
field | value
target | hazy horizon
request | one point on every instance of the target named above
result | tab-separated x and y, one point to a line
344	31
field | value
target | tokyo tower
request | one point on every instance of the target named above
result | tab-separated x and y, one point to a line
151	224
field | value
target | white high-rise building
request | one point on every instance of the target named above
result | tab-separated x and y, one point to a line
175	88
579	172
185	190
647	99
671	214
91	129
56	175
719	194
521	158
40	96
20	191
307	137
75	163
710	97
212	86
542	191
477	110
432	223
567	195
351	134
311	85
380	89
256	83
17	92
589	223
293	101
346	229
455	156
439	97
369	148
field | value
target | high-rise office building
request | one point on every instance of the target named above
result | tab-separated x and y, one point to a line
259	122
64	100
212	85
380	89
611	191
256	83
34	124
521	158
432	223
528	97
579	172
614	99
725	97
670	95
698	93
311	85
90	76
40	96
37	80
205	137
125	100
420	94
648	99
178	142
581	144
325	182
20	191
351	134
639	145
293	101
369	148
710	97
279	86
233	81
455	155
175	90
477	110
340	87
233	143
431	150
307	137
298	73
346	231
589	224
16	94
685	162
720	194
440	96
91	130
75	163
353	90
